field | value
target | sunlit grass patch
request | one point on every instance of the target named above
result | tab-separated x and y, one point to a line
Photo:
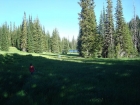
21	93
125	74
5	94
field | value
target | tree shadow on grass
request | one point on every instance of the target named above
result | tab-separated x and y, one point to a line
68	83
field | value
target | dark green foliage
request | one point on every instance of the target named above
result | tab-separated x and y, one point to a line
60	44
9	35
127	42
0	37
37	36
65	46
4	38
138	33
24	34
48	42
44	41
88	29
55	41
119	28
31	37
30	40
108	46
122	37
134	26
74	43
92	41
101	27
18	40
13	35
40	38
97	48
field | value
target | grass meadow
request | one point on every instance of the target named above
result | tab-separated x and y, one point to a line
67	80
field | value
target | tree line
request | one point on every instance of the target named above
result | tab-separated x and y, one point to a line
31	37
111	38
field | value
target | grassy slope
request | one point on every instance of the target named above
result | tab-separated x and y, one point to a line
69	80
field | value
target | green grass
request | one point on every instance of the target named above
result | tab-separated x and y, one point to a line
68	80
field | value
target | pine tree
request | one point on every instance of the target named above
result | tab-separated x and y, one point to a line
48	41
88	30
108	46
104	19
0	37
30	44
134	27
134	31
101	27
101	32
73	43
13	35
127	42
30	40
138	33
123	44
119	28
65	46
24	34
45	40
59	44
37	37
4	38
9	35
62	45
40	37
110	29
55	41
18	41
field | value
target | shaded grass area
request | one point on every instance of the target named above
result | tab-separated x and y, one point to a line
63	82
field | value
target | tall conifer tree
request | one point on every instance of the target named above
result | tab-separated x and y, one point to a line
30	40
65	46
24	34
44	41
18	42
13	35
73	43
30	46
49	41
127	42
0	36
4	38
123	45
88	28
108	47
55	41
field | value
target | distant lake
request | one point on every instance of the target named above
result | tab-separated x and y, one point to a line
73	51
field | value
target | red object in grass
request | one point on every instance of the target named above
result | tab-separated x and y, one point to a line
31	69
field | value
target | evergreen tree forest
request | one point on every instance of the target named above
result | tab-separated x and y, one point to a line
32	37
113	37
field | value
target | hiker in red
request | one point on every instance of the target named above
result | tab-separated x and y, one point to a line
31	69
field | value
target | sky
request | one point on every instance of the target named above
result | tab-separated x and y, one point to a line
60	14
